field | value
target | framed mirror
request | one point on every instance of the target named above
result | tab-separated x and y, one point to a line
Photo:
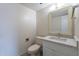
60	21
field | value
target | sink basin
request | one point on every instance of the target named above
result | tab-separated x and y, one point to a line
57	38
52	37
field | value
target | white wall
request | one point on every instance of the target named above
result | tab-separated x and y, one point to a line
16	24
77	26
27	27
42	20
76	22
7	29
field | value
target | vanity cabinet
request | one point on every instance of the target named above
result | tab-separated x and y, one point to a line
78	47
56	49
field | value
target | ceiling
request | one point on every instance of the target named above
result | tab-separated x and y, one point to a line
36	6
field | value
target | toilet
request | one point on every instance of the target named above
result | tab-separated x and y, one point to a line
33	49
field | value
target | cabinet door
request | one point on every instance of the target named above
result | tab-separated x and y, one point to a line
60	49
78	49
48	52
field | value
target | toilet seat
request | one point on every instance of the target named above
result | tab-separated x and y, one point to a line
34	48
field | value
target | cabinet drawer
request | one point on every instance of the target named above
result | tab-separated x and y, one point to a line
65	50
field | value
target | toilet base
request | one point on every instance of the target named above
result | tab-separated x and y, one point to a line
35	54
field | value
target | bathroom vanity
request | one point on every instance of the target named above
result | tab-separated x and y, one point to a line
54	49
58	47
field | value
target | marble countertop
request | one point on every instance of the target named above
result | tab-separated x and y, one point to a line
68	41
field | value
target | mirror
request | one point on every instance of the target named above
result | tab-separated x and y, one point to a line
60	21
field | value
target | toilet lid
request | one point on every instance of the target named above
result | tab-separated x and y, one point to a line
34	47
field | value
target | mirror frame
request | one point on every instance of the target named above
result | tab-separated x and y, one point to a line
70	21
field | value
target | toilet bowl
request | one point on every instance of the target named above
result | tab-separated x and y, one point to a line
33	49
